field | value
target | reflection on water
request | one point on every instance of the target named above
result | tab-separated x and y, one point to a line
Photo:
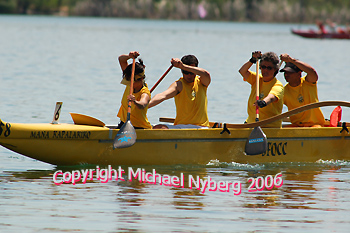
188	199
131	204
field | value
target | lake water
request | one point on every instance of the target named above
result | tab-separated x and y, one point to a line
74	60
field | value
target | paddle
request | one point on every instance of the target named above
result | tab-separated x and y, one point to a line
257	141
80	119
278	117
161	78
126	135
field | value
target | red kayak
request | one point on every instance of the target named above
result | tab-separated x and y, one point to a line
326	35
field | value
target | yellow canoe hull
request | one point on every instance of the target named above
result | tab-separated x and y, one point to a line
68	144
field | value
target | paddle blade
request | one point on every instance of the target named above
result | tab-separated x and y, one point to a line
256	143
125	137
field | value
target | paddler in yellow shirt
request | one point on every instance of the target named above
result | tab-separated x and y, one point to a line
300	91
270	89
141	94
190	94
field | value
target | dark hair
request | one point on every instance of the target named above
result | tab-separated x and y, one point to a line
189	60
273	58
139	68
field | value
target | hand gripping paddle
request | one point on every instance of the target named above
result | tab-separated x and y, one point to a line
126	135
257	141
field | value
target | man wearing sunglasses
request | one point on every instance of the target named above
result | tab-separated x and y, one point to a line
270	89
190	94
300	91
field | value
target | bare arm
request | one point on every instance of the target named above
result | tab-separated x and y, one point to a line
142	103
174	89
270	98
123	59
311	76
204	75
244	70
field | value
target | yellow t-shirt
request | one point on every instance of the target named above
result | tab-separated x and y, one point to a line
274	87
138	117
191	104
305	93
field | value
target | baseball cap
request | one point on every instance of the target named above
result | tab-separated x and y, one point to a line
290	67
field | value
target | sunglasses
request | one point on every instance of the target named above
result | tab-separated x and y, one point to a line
139	77
266	67
186	72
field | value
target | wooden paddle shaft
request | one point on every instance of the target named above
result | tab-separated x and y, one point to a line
257	89
131	86
161	78
290	113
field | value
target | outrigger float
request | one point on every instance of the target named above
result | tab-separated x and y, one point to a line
90	141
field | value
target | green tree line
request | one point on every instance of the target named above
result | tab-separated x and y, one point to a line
300	11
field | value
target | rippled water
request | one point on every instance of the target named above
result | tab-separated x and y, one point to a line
74	60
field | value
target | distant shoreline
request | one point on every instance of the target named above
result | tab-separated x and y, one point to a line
267	11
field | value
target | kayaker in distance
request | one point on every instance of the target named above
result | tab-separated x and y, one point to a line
322	29
141	94
190	94
271	90
300	91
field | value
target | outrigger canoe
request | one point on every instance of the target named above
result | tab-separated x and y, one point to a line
327	35
89	141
